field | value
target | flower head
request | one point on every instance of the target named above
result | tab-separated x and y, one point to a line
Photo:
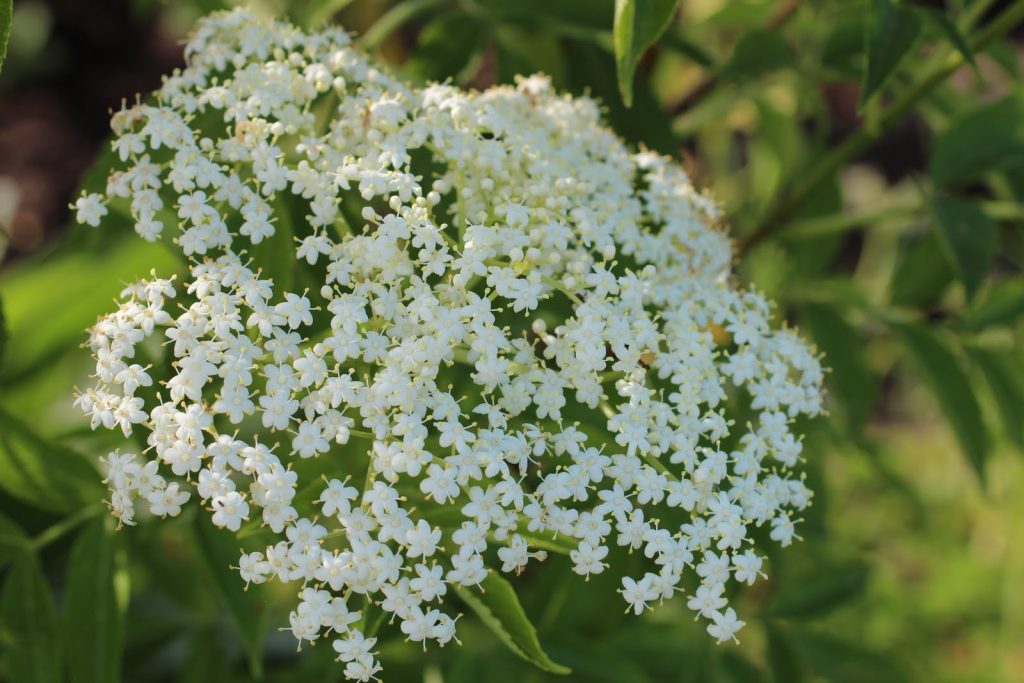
481	306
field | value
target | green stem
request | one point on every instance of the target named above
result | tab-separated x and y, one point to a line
840	222
64	526
778	217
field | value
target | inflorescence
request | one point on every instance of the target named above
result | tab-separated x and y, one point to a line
499	324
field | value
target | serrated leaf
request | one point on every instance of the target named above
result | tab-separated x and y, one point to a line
823	592
944	25
851	380
968	238
219	551
1004	372
95	606
6	19
890	35
942	371
497	605
1002	304
29	628
638	25
990	138
43	473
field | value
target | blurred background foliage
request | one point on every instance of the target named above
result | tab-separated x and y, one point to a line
870	156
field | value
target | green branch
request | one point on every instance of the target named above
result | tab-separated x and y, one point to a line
858	141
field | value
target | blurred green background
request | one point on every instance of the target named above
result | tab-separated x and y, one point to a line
870	156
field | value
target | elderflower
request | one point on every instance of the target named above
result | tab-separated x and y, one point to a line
461	321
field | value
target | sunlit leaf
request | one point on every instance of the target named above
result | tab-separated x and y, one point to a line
94	606
43	473
942	371
28	625
44	319
891	33
638	24
968	238
497	605
6	17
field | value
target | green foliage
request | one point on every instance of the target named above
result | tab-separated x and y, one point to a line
497	605
969	239
218	551
637	26
990	138
43	473
943	372
97	595
827	588
890	36
29	625
6	19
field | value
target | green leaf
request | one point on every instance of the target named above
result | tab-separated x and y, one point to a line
42	473
95	606
6	19
942	371
219	551
1002	304
757	52
638	24
3	333
394	19
990	138
13	541
889	36
50	302
827	589
275	255
29	628
498	607
592	70
783	660
320	13
1004	372
437	57
944	25
968	238
922	274
851	380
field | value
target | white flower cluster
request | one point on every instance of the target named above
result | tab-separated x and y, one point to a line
512	326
